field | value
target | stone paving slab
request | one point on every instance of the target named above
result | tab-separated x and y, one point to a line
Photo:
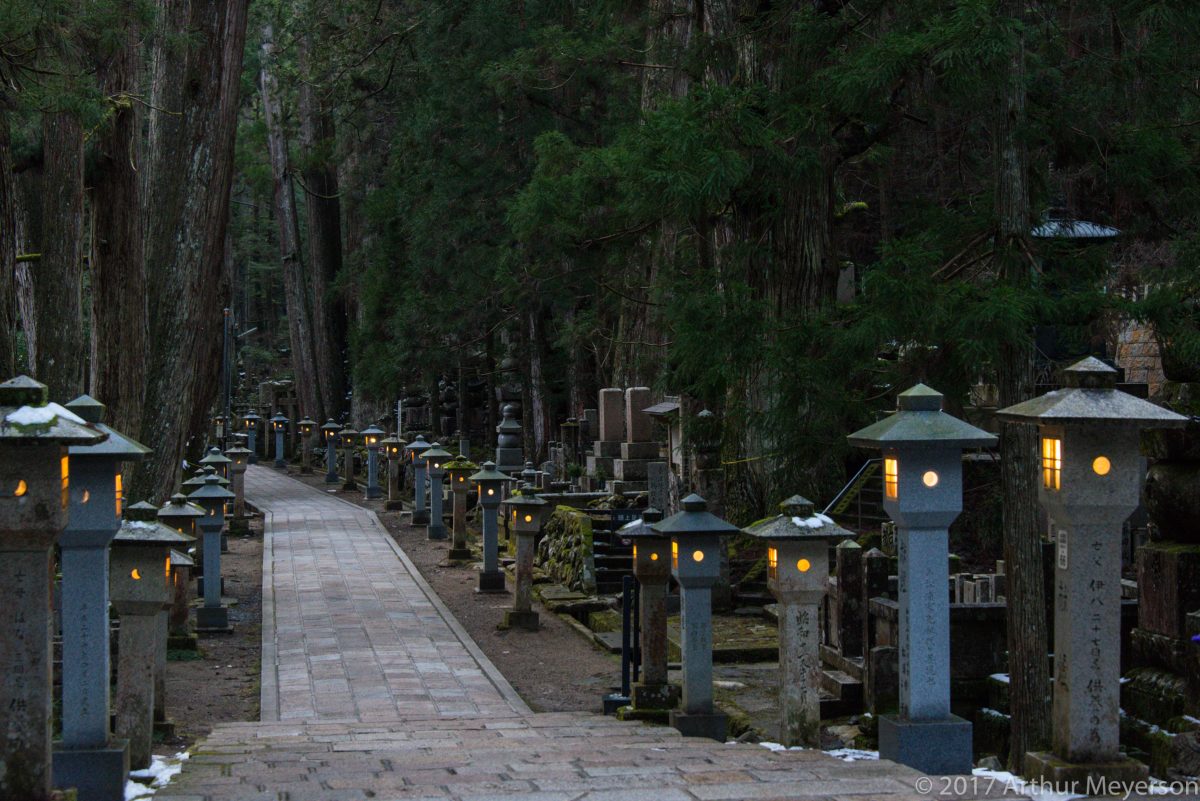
371	690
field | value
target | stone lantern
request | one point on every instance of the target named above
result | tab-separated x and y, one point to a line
458	473
435	459
696	549
349	438
922	473
329	433
1091	481
393	449
527	515
307	427
652	569
414	449
372	436
87	758
279	424
797	571
252	421
182	516
142	591
490	483
212	617
179	632
219	428
34	495
240	458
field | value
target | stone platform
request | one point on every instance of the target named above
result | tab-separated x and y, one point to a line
371	689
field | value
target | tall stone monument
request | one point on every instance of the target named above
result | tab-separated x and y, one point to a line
510	457
922	455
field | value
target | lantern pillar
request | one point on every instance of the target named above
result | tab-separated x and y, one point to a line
490	483
652	569
280	461
138	608
350	485
458	548
395	471
800	642
373	489
436	527
523	615
420	515
212	617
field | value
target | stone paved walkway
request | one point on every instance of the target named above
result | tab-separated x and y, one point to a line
371	690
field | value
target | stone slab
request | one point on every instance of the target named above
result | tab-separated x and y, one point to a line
612	414
1051	769
640	450
711	725
933	747
630	469
97	774
607	449
639	426
600	464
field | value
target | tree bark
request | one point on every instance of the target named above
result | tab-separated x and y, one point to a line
300	332
117	263
1028	664
324	216
8	255
58	275
193	119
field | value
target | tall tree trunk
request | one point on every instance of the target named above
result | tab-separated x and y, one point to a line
194	103
1029	688
117	263
324	215
299	320
58	276
8	255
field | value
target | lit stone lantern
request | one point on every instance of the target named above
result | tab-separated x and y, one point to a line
349	438
372	437
182	516
329	434
393	449
652	569
34	494
219	428
490	484
179	633
142	591
1091	482
797	572
527	514
922	471
458	473
279	425
253	421
414	449
435	459
218	461
307	427
696	548
87	758
212	617
240	458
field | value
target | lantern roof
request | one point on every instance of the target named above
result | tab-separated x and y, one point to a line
349	431
435	451
306	421
149	532
641	528
418	444
212	490
117	447
488	472
26	416
197	480
142	510
525	501
178	507
214	456
251	415
373	430
181	559
798	520
462	463
918	420
238	449
694	519
392	439
331	426
280	418
1091	396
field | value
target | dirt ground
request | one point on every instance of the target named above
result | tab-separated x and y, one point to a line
554	669
223	684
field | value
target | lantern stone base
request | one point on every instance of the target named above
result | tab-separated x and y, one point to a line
654	696
350	486
491	582
520	619
394	506
436	531
661	717
200	587
164	728
213	620
374	493
420	517
934	747
1094	778
713	725
95	773
459	554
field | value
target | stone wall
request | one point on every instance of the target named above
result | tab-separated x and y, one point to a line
565	550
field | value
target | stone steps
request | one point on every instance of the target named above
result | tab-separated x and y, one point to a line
540	757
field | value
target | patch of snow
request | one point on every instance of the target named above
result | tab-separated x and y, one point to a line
1007	782
994	713
816	521
155	777
1191	719
139	524
853	754
1001	677
778	747
728	685
41	415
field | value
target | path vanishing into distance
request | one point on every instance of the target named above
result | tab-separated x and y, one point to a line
372	690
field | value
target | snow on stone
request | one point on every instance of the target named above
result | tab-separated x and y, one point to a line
844	754
1001	677
155	777
1004	783
816	521
41	415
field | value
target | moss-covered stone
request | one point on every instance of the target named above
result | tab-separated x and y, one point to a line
565	551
